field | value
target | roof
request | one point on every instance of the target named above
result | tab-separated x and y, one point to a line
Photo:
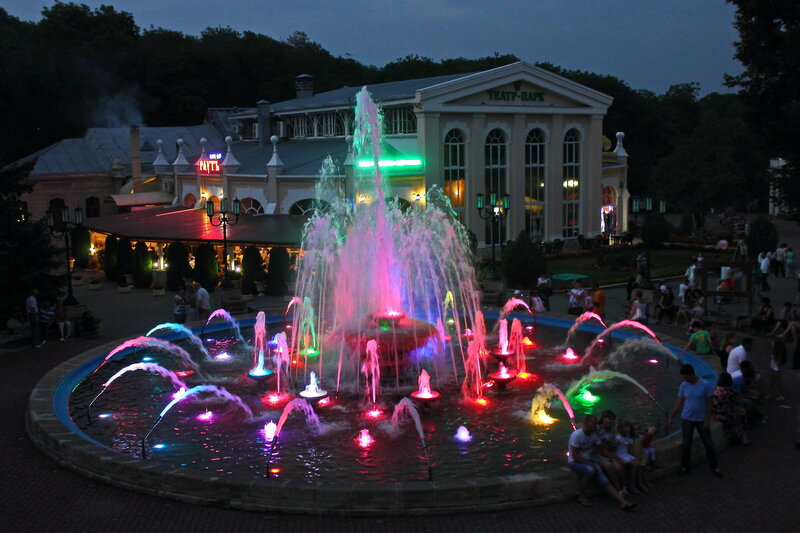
345	97
142	198
182	224
99	148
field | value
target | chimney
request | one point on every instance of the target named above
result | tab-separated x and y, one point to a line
136	158
262	116
304	86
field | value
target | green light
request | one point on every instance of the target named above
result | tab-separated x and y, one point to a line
451	321
587	398
311	352
391	163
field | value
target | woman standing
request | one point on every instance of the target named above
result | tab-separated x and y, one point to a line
638	308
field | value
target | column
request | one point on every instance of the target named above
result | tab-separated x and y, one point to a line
475	174
554	189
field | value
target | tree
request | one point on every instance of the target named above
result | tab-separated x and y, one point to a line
110	258
275	284
762	236
124	259
177	265
142	267
206	268
521	261
27	256
769	49
252	270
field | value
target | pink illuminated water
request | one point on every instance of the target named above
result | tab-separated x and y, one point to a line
283	362
226	316
588	315
622	324
212	390
372	371
424	387
148	367
512	304
259	340
364	439
299	404
270	429
463	434
503	335
157	344
180	328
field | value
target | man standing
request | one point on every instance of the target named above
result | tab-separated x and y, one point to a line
577	298
694	403
203	300
763	264
738	355
583	459
32	310
598	300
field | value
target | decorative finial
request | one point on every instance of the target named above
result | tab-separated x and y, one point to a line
620	149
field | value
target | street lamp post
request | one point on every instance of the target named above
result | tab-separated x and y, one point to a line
647	205
224	218
494	212
65	234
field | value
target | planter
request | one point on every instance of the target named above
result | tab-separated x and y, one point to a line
124	289
159	292
95	286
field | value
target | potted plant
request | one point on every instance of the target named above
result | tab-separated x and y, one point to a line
77	279
123	286
158	289
94	284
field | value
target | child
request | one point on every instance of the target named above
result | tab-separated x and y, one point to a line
624	442
778	360
647	445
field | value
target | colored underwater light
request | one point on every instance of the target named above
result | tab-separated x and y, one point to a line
451	321
222	356
653	361
269	430
104	415
570	355
468	333
311	352
542	418
205	417
528	342
159	446
147	359
274	399
275	471
483	402
375	413
524	375
180	393
324	401
184	373
364	439
586	397
463	434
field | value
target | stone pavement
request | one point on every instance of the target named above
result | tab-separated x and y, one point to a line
757	493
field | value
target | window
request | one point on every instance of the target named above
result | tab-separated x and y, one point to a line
455	170
92	207
330	125
300	127
534	184
57	207
308	207
571	183
251	206
399	121
495	180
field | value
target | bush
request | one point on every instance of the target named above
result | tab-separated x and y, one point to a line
761	237
252	269
110	258
124	257
177	265
276	274
80	246
686	228
655	230
142	267
206	267
521	259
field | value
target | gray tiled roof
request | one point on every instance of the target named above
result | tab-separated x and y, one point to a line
96	151
381	92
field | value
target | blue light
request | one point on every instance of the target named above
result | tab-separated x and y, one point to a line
104	415
147	359
159	446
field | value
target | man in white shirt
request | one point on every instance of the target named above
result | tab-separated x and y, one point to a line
32	310
738	355
203	302
576	298
763	264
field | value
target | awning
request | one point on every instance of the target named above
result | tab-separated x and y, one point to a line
142	198
175	223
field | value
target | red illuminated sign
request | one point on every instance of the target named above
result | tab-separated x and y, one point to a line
209	166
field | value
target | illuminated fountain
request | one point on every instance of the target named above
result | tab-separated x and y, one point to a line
502	377
424	392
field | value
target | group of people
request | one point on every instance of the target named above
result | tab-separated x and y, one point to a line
582	300
779	262
615	454
191	302
45	314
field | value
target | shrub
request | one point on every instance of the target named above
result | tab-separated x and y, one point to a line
142	266
520	260
124	257
110	258
252	269
655	230
276	274
206	267
177	265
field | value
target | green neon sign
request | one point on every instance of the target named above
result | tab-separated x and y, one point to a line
391	163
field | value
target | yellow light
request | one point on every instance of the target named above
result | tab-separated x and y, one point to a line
92	250
362	199
541	418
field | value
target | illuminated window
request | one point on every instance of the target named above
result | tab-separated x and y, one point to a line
92	207
495	160
399	121
455	169
534	184
251	206
571	182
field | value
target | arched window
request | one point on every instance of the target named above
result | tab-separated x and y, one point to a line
92	207
455	169
56	206
300	127
251	206
330	125
534	184
495	160
571	184
399	121
308	207
190	200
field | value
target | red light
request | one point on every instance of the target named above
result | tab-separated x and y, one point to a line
375	413
184	373
274	399
364	439
209	166
324	401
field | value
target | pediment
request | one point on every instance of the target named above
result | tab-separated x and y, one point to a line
520	93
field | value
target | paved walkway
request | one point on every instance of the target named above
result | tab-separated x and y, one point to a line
758	492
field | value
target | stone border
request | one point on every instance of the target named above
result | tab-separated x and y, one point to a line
88	457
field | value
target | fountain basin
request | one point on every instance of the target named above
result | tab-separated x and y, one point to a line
53	430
